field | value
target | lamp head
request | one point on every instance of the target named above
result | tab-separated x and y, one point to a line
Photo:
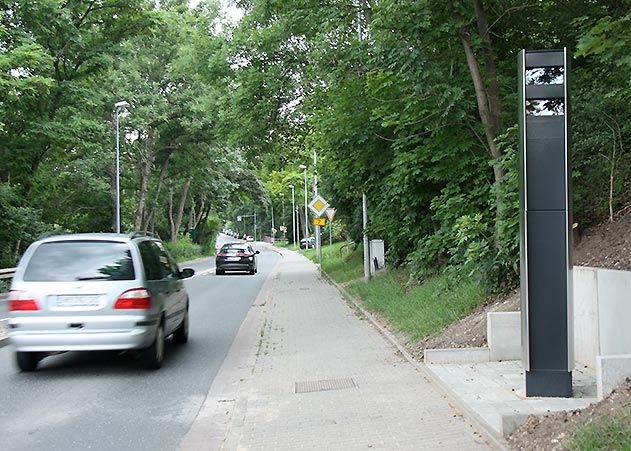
122	104
302	166
291	186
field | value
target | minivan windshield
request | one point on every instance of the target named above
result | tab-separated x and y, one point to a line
62	261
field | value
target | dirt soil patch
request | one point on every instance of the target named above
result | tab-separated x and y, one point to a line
607	245
552	432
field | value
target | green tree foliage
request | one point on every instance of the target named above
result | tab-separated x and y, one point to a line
410	101
63	65
19	225
414	103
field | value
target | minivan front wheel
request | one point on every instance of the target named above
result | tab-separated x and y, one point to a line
27	361
153	355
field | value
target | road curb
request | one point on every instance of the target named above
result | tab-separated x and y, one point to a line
223	409
482	426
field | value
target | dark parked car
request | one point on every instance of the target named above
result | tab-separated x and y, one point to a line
236	257
94	292
307	243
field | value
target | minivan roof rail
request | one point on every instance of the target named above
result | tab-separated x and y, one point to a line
144	233
50	233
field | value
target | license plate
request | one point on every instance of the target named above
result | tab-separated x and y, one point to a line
233	259
74	301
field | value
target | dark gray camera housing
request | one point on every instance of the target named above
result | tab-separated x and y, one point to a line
545	222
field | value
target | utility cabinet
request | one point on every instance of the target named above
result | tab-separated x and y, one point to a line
377	256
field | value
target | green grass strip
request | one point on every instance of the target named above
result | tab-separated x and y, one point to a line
418	310
612	433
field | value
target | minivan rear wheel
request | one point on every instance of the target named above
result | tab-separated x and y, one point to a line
180	336
153	355
27	361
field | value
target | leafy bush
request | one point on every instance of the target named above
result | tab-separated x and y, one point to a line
207	234
184	249
503	268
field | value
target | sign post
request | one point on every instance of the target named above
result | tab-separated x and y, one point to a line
318	206
330	213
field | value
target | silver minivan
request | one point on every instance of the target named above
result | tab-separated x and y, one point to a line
97	291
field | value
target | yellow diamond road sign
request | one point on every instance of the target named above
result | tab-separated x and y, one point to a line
318	205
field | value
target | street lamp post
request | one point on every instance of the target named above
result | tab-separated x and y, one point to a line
284	223
293	214
304	167
120	106
315	194
273	228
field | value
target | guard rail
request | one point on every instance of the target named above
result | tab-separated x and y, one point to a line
5	273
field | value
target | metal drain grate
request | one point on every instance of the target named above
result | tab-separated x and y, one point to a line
329	384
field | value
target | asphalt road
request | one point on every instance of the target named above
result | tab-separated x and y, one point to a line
107	401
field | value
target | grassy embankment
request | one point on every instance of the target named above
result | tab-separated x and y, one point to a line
613	433
419	310
422	310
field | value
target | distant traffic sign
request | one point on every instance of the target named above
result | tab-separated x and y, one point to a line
319	221
330	213
318	205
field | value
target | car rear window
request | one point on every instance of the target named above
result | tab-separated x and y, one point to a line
234	249
62	261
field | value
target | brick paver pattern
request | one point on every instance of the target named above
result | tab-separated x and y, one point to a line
308	334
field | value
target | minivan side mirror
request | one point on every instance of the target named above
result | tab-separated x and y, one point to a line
187	272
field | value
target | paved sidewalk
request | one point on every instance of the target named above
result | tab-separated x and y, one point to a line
305	372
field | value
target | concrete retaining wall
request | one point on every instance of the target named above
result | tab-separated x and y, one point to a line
611	371
602	306
586	342
503	334
602	337
602	312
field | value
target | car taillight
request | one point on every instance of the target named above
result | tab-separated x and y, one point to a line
221	254
136	298
22	301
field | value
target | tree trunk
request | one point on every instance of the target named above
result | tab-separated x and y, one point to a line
194	218
191	216
171	220
482	97
147	158
488	99
366	11
484	82
492	88
148	222
180	211
304	221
